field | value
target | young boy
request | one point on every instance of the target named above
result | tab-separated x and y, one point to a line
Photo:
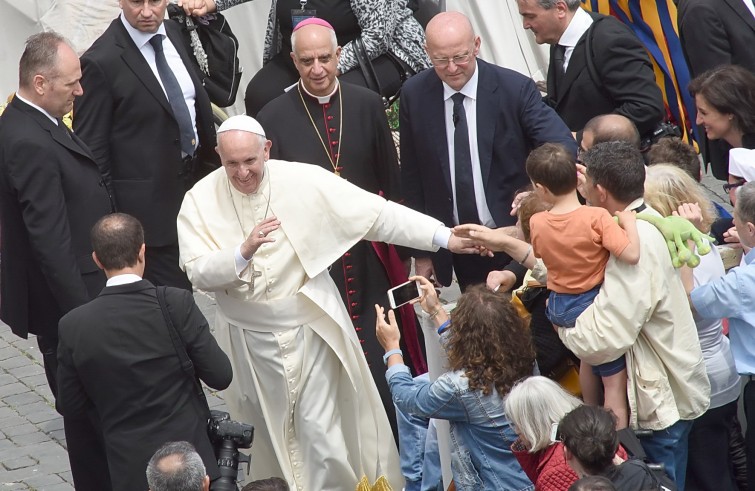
574	241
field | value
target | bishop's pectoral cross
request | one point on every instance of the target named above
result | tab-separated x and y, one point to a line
255	274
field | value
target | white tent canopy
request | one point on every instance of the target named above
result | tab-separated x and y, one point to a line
504	42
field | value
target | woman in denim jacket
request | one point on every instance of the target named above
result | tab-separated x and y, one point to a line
489	349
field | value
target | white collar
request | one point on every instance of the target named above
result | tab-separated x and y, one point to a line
577	27
123	279
469	89
321	99
141	38
23	99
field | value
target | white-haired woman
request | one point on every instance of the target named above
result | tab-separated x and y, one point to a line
535	406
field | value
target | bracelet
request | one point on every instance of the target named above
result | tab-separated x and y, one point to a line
390	353
529	251
442	328
437	311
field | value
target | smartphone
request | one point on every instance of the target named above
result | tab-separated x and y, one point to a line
404	293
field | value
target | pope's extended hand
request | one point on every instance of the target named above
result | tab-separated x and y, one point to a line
677	231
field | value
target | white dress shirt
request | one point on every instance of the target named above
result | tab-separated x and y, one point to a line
578	26
37	108
750	6
141	39
470	107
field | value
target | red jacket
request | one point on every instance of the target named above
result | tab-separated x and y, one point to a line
548	468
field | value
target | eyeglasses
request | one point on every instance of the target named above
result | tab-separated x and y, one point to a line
733	185
459	60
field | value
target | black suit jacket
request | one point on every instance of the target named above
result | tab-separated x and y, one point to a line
716	32
511	121
626	86
126	119
116	356
51	193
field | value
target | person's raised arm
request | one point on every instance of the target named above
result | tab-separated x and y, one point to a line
631	253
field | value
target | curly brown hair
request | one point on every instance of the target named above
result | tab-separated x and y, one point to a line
489	341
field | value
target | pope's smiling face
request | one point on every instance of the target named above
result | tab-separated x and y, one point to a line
243	155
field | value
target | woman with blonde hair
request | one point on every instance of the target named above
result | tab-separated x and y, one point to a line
669	190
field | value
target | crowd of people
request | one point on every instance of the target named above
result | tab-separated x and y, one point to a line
576	246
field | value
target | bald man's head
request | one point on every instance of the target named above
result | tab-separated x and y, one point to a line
452	47
609	128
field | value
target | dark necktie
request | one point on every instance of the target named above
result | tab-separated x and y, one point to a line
466	205
559	56
175	96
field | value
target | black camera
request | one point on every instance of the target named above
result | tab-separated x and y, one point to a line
663	130
227	436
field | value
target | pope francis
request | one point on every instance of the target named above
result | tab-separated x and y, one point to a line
261	234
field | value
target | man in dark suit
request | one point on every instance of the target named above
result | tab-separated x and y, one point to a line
623	81
466	130
116	358
51	193
713	33
148	121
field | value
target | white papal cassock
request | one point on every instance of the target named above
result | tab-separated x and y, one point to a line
300	376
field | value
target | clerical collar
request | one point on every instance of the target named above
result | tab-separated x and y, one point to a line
577	27
321	99
123	279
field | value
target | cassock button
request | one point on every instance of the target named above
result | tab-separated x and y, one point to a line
330	118
354	317
351	292
354	304
327	106
332	130
349	280
334	142
348	254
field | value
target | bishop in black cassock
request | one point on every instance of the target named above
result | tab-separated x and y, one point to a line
348	134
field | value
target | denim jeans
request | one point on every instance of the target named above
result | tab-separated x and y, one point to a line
418	450
669	447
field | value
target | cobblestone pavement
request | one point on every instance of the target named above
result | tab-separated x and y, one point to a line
33	453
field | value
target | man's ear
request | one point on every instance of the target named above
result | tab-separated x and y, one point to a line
206	483
97	261
142	250
602	194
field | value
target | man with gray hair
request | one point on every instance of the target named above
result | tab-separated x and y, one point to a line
731	296
176	466
615	76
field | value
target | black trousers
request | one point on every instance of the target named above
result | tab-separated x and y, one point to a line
748	398
162	268
48	346
709	465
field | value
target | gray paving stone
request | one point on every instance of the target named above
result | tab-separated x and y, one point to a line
11	421
38	482
6	412
57	487
34	407
34	380
29	438
7	351
66	476
43	415
19	463
27	370
52	425
20	430
15	362
23	399
13	486
13	389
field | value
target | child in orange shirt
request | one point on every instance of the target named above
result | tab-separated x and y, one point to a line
575	241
